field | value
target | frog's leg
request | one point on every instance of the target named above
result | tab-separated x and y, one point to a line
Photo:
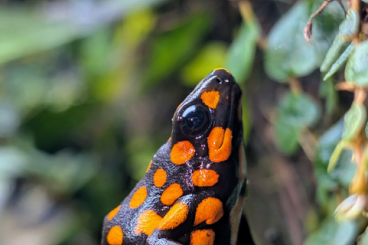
188	212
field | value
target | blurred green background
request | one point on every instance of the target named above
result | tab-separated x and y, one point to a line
88	89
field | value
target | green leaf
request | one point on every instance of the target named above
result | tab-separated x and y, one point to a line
136	27
59	90
298	110
350	25
333	53
138	163
364	237
328	91
286	136
64	172
13	162
341	146
211	56
344	170
354	121
347	30
174	48
99	51
326	145
325	27
31	34
32	31
356	70
332	232
287	53
242	51
335	156
10	119
294	112
339	62
325	185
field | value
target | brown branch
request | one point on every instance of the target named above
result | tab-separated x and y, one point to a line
295	85
360	94
355	5
308	28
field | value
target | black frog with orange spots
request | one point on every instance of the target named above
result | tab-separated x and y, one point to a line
193	191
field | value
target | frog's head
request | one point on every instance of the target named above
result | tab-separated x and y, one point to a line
208	122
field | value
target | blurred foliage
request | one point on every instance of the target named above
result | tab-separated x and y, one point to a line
88	89
288	54
242	50
333	233
295	111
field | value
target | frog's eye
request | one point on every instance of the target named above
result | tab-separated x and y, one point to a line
194	120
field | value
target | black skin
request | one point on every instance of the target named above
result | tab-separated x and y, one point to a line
228	189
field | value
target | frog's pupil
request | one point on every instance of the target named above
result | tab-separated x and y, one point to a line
194	120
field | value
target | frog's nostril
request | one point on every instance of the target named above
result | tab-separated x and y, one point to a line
223	76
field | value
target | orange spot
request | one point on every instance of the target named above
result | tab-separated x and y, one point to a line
219	144
112	214
179	105
115	236
159	178
171	194
202	237
181	152
176	216
149	166
209	210
138	198
205	177
169	139
211	98
147	222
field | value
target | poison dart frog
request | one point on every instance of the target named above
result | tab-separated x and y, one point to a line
193	190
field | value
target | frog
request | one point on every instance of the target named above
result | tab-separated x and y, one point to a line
194	189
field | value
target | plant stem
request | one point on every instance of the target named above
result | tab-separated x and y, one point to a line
294	85
246	11
360	94
355	5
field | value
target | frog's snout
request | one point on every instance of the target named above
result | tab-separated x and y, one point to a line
223	76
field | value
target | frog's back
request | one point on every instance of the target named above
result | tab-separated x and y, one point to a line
193	191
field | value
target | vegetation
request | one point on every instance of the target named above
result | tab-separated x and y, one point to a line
88	88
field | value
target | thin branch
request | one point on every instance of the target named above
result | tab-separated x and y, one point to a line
355	5
308	28
342	6
295	85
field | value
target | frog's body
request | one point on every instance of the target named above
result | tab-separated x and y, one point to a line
193	191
